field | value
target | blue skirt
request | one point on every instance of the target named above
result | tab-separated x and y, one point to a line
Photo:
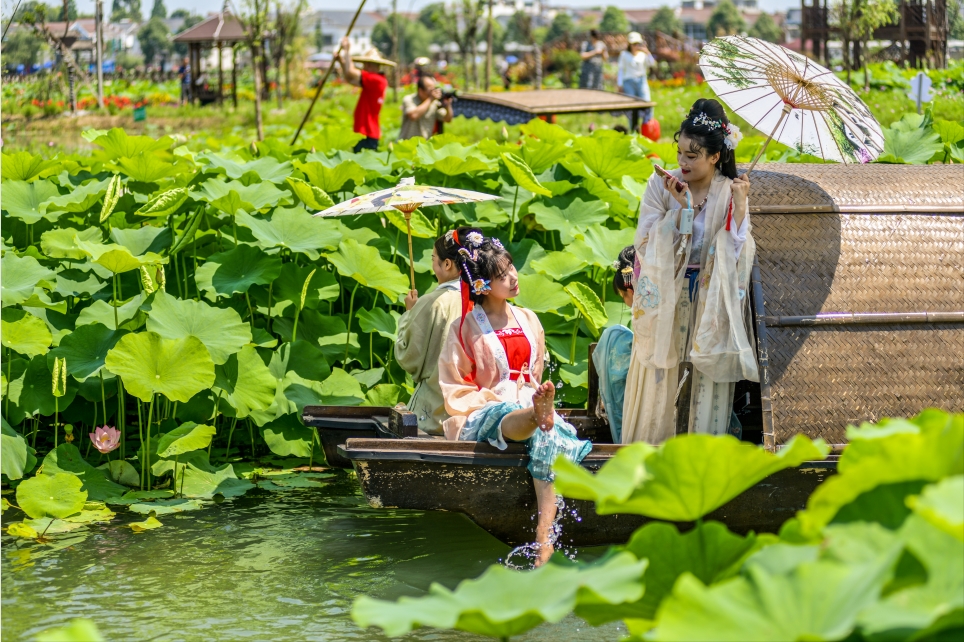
485	424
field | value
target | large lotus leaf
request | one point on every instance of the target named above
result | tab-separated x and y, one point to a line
265	169
196	458
332	179
149	363
66	459
77	630
72	282
22	200
21	274
559	265
333	137
57	495
28	335
293	229
524	253
952	135
290	285
606	244
220	329
86	348
24	166
167	506
942	504
80	198
922	608
541	155
287	436
926	448
453	159
61	243
183	439
117	143
609	158
102	312
237	270
540	294
588	304
117	258
36	396
364	264
246	382
710	552
341	389
312	197
140	240
541	130
686	478
523	176
503	602
913	146
380	321
151	168
234	196
328	333
196	482
385	395
569	216
13	452
422	228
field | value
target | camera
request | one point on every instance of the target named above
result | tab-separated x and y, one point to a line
449	92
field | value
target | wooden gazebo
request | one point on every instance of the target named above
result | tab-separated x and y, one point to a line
217	31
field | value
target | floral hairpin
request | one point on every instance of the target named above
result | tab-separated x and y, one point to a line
496	243
481	286
473	254
702	119
474	239
733	136
616	264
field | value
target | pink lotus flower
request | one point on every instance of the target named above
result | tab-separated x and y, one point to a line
105	438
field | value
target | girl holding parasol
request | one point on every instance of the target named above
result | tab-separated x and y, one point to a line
694	251
490	372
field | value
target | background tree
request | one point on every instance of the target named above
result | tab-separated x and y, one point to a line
71	6
765	28
254	19
955	19
614	21
566	63
155	39
414	39
561	27
665	20
286	30
519	28
725	20
460	24
190	19
498	37
872	14
159	10
21	47
129	9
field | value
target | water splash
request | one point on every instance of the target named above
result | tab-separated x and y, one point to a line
524	557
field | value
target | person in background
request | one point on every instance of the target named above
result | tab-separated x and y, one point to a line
593	53
634	66
423	110
612	354
421	331
184	73
373	84
421	67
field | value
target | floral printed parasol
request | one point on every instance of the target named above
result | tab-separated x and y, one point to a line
405	197
802	104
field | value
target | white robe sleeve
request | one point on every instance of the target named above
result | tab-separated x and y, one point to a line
739	235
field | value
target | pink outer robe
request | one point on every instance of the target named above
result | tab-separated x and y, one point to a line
467	376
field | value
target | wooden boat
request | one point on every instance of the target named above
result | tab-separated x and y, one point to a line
856	312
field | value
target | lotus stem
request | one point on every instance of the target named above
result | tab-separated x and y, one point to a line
311	451
145	465
572	345
56	417
294	329
512	223
175	476
227	451
247	300
122	416
270	292
114	284
351	312
250	436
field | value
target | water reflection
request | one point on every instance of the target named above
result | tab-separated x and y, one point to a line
278	565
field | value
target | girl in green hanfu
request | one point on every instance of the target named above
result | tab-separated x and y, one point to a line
422	330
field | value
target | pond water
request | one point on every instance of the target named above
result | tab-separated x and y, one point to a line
281	565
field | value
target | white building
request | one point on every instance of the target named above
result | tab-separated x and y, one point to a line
333	25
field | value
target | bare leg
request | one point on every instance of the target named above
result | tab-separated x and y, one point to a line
546	499
520	424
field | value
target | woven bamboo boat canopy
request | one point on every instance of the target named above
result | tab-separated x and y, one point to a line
800	188
516	107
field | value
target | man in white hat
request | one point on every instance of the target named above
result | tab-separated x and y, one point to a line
373	84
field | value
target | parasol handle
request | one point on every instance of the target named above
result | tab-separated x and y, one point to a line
786	110
411	263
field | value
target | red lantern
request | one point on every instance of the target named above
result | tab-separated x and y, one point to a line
650	129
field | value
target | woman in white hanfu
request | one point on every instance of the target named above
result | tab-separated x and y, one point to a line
690	281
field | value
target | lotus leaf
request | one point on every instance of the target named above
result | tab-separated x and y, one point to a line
341	389
545	131
80	198
368	378
289	285
86	348
422	228
606	244
569	216
331	138
93	512
385	395
380	321
910	140
588	304
503	602
952	135
220	329
51	495
28	335
523	176
141	240
167	506
116	143
122	472
23	200
234	196
559	265
185	438
237	270
117	258
246	382
21	274
24	166
78	630
293	229
103	313
942	504
148	524
151	168
539	294
686	478
148	364
36	396
66	459
610	159
61	243
926	448
541	155
287	436
333	179
364	264
312	197
22	530
452	159
13	452
263	169
197	482
77	282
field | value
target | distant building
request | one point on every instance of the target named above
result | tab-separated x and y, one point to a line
333	25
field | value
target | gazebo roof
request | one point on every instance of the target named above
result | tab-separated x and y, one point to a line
221	27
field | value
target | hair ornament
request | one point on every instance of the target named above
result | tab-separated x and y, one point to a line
496	243
481	286
733	136
474	239
473	255
702	119
616	264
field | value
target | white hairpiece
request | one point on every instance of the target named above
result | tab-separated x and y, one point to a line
733	136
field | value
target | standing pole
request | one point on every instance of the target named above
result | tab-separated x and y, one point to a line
99	35
324	78
488	52
398	69
220	73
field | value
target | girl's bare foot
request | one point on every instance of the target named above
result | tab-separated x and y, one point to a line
544	552
543	405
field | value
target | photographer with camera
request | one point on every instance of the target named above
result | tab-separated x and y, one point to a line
424	110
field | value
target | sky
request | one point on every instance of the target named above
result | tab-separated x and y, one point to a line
205	6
